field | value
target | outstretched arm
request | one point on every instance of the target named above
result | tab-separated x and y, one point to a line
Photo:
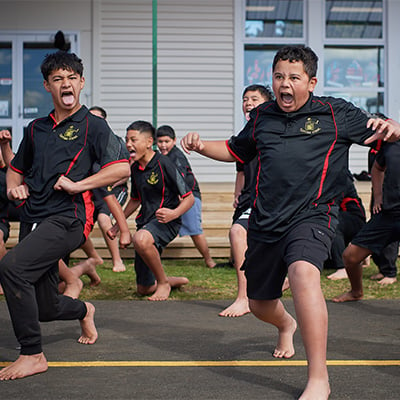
388	130
106	176
215	149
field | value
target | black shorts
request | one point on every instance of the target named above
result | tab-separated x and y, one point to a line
162	235
379	231
266	264
242	218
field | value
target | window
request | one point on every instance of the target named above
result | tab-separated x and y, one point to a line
357	19
269	24
354	56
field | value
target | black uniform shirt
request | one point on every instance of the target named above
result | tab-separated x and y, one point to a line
70	148
389	157
156	186
302	158
183	166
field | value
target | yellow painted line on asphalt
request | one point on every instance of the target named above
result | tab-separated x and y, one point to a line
243	363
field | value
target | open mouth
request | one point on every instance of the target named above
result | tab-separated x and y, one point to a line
68	98
287	98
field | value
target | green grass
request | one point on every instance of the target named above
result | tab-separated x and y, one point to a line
213	284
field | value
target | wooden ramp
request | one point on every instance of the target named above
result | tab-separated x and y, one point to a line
217	217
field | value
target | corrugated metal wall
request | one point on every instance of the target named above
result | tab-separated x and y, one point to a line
195	71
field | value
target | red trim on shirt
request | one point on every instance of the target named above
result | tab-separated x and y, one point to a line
163	185
89	211
328	154
231	151
186	194
346	200
16	170
258	178
115	162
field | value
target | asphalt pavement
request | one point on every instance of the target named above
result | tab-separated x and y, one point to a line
183	350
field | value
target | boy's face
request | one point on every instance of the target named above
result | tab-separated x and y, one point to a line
291	85
65	87
165	144
251	99
138	144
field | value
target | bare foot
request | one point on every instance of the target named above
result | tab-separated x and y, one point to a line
286	284
387	281
89	331
338	274
119	266
210	263
284	347
177	281
88	267
347	296
377	276
316	389
71	289
162	292
238	308
24	366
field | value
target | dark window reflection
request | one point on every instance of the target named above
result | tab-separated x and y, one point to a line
5	80
355	19
274	18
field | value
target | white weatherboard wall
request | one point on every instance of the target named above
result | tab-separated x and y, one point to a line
195	69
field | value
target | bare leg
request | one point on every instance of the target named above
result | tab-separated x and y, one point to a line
24	366
144	244
238	240
201	244
312	316
91	252
89	332
87	267
105	224
273	312
71	285
352	257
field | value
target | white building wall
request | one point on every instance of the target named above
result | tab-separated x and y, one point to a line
195	71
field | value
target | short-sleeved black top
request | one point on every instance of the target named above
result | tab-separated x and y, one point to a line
351	202
156	186
70	148
184	167
389	157
302	162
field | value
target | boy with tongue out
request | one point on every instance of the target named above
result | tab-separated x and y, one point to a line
47	177
302	143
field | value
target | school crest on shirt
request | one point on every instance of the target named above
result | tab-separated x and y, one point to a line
109	188
153	178
311	126
69	134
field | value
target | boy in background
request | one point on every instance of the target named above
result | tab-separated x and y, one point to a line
191	220
162	193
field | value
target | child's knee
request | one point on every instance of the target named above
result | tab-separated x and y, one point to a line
142	240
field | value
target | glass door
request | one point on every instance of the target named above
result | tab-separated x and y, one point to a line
22	95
